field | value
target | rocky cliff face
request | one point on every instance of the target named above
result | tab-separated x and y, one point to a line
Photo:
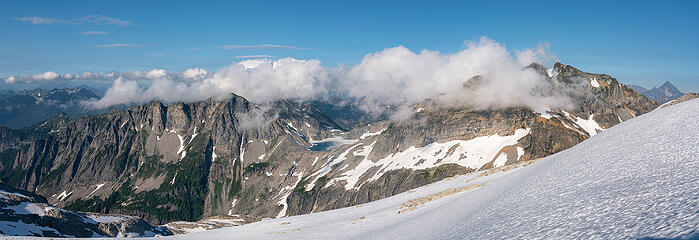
229	156
164	163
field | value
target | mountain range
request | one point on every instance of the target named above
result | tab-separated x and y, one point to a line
663	94
28	107
228	158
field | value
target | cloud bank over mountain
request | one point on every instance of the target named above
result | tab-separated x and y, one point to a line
396	77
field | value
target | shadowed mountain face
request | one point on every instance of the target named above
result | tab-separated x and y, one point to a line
226	157
28	107
25	214
665	93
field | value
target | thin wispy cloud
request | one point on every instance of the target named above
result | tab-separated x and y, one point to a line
93	33
90	19
99	19
40	20
260	47
118	45
255	56
186	76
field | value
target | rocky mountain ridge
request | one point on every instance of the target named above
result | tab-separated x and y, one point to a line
226	157
663	94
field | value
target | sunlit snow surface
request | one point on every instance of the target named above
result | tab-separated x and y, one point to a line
637	179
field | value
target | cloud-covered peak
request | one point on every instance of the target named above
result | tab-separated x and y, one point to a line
396	77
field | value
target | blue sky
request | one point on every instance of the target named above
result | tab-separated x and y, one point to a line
637	42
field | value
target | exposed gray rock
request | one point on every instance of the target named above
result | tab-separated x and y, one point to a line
222	157
24	213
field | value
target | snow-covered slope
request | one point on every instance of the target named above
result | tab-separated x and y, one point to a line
637	179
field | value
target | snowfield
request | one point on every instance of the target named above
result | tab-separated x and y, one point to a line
637	179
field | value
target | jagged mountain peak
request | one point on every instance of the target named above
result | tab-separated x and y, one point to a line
671	89
663	93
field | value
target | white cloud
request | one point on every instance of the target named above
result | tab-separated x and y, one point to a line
45	76
99	19
260	47
101	76
87	75
268	81
89	33
10	79
395	78
255	56
91	19
252	63
195	73
539	54
257	117
40	20
127	91
116	45
156	73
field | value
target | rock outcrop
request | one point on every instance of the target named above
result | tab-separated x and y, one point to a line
25	214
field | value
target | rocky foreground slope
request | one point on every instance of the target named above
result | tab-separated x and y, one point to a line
225	157
26	214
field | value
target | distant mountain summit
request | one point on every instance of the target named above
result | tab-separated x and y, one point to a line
665	93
